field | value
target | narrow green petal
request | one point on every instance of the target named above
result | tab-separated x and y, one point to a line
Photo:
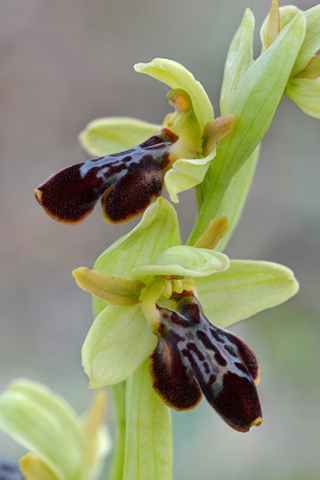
44	424
236	195
238	60
254	103
114	134
114	290
246	288
176	76
148	439
186	261
98	442
118	342
33	468
311	43
306	94
287	14
135	249
186	174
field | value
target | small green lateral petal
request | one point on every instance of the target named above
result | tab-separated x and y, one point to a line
176	76
287	14
118	342
186	174
135	249
306	94
113	290
44	424
105	136
246	288
238	60
186	261
148	438
33	468
311	43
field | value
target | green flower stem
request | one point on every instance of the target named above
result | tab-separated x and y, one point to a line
118	400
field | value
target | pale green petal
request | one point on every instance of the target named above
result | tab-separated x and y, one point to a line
311	43
238	60
118	342
114	134
254	103
306	94
44	424
235	197
148	438
176	76
135	249
186	174
287	14
186	261
246	288
33	468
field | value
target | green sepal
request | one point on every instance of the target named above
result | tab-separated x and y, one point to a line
148	435
247	287
46	425
118	342
176	76
254	103
238	60
185	261
105	136
134	249
306	94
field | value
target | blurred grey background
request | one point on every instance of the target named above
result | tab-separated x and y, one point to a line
64	63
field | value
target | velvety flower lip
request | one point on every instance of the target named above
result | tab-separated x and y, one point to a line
127	182
194	356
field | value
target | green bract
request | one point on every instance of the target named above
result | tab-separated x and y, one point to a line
63	446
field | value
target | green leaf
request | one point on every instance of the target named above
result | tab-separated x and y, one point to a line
306	94
44	424
114	134
176	76
238	60
135	249
311	43
236	195
185	261
246	288
148	439
118	342
254	103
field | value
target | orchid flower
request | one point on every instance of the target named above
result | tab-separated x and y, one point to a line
177	155
155	312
